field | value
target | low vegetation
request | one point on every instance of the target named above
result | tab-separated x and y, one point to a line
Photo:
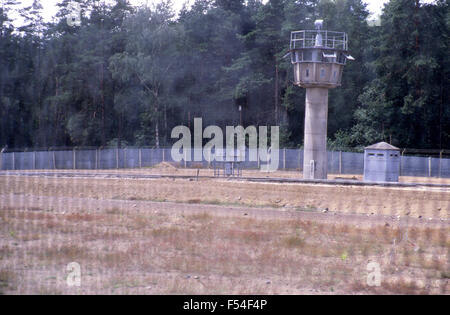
124	250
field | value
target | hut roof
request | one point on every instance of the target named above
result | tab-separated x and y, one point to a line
382	146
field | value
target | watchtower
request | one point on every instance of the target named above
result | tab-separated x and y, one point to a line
319	57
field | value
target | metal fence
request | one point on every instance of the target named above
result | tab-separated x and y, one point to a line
289	159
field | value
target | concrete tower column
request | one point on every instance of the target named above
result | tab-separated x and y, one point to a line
315	146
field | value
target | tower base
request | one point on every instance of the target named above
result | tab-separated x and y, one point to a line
315	162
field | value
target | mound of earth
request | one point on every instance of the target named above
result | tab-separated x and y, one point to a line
166	166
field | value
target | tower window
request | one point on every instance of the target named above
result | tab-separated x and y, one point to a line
307	55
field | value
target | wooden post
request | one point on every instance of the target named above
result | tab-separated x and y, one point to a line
14	160
340	162
164	154
125	158
440	163
96	159
34	160
284	158
54	160
74	162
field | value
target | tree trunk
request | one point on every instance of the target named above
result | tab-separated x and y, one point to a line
276	93
157	134
156	122
103	104
165	123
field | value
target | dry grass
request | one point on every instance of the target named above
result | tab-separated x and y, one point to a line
7	279
294	242
65	252
404	202
200	217
295	255
126	245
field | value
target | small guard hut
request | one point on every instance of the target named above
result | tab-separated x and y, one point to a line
381	163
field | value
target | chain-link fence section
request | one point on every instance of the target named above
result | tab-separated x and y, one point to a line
339	162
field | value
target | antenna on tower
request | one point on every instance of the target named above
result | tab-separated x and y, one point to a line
318	24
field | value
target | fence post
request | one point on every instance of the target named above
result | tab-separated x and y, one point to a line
401	162
34	160
125	158
96	159
117	158
54	160
164	154
140	158
340	162
259	162
300	167
14	160
440	163
1	160
312	168
429	166
74	157
284	158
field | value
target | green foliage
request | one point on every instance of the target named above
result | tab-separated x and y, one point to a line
128	75
406	103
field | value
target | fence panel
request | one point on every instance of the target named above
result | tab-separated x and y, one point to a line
107	159
131	158
167	155
289	159
24	160
414	166
85	159
445	168
44	160
191	161
151	157
333	162
294	159
247	163
7	161
435	167
352	163
63	159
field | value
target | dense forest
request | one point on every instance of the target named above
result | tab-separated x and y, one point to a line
128	75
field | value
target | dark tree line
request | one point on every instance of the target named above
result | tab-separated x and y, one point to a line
127	76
